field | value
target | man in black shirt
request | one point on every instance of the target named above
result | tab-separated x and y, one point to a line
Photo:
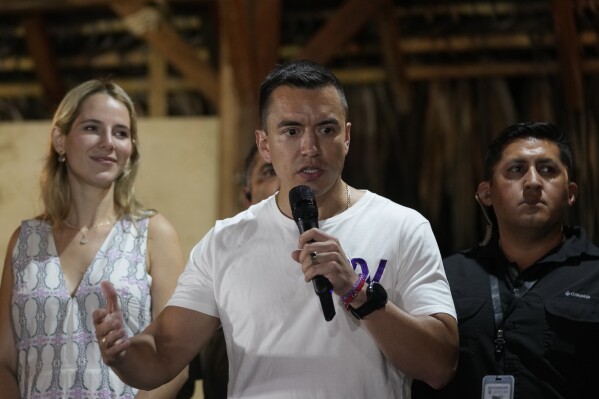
527	298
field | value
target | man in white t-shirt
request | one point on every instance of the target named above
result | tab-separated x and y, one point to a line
259	182
393	315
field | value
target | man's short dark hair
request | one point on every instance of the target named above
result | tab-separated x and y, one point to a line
538	130
299	74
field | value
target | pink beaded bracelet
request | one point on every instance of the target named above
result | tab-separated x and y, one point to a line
353	293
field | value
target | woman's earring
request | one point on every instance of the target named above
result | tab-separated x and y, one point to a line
61	157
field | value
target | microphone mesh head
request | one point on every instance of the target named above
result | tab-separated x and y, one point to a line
303	203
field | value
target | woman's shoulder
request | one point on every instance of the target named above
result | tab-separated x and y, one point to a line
34	223
13	239
159	225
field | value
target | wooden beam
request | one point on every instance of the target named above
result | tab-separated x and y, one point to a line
481	70
465	43
267	34
157	87
230	153
407	46
346	22
152	27
53	5
393	58
356	76
44	61
474	8
569	52
249	43
45	5
235	23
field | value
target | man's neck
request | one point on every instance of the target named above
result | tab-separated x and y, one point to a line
525	250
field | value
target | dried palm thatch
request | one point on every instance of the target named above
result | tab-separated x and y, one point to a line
583	128
461	119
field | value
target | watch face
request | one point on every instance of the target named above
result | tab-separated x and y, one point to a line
377	294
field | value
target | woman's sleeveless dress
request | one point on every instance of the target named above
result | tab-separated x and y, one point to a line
58	353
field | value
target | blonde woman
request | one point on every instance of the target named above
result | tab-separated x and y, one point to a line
92	229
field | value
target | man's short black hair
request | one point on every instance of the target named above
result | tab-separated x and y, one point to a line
301	74
538	130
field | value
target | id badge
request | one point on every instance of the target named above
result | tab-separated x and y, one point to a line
498	387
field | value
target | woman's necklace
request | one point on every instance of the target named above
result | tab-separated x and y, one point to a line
84	229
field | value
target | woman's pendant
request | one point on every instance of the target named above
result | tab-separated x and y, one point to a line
83	232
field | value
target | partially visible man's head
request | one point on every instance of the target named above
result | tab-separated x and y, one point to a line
260	179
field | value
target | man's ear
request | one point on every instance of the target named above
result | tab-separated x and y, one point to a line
483	193
247	195
262	143
572	192
58	140
347	136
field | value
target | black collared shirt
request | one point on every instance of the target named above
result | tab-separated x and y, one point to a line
551	332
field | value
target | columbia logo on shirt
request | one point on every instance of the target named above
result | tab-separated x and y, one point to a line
576	295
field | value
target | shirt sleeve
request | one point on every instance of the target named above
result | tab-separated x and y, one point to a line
195	288
422	286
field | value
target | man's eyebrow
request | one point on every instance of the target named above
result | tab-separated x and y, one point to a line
552	160
329	121
516	160
288	122
291	122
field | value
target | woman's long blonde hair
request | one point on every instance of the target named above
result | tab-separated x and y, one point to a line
55	189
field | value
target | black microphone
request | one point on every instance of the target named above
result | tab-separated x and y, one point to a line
305	214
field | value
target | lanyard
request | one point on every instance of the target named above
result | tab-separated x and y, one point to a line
498	313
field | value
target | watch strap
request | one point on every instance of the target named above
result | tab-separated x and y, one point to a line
372	303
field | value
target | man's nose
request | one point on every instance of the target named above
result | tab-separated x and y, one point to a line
532	178
309	143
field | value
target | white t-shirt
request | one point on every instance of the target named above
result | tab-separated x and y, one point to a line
278	343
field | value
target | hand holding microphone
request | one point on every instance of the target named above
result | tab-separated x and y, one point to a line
305	214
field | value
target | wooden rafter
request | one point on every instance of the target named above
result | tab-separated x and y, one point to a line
346	22
53	5
249	48
393	57
42	53
252	33
157	91
165	39
237	28
570	59
267	33
230	154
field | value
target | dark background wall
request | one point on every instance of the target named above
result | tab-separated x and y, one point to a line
429	83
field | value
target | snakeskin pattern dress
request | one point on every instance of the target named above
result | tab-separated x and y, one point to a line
58	353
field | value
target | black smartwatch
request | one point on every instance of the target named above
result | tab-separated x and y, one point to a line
376	298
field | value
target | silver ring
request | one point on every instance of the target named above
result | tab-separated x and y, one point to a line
314	257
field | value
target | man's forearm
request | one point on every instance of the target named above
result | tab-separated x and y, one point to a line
141	366
168	390
424	348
